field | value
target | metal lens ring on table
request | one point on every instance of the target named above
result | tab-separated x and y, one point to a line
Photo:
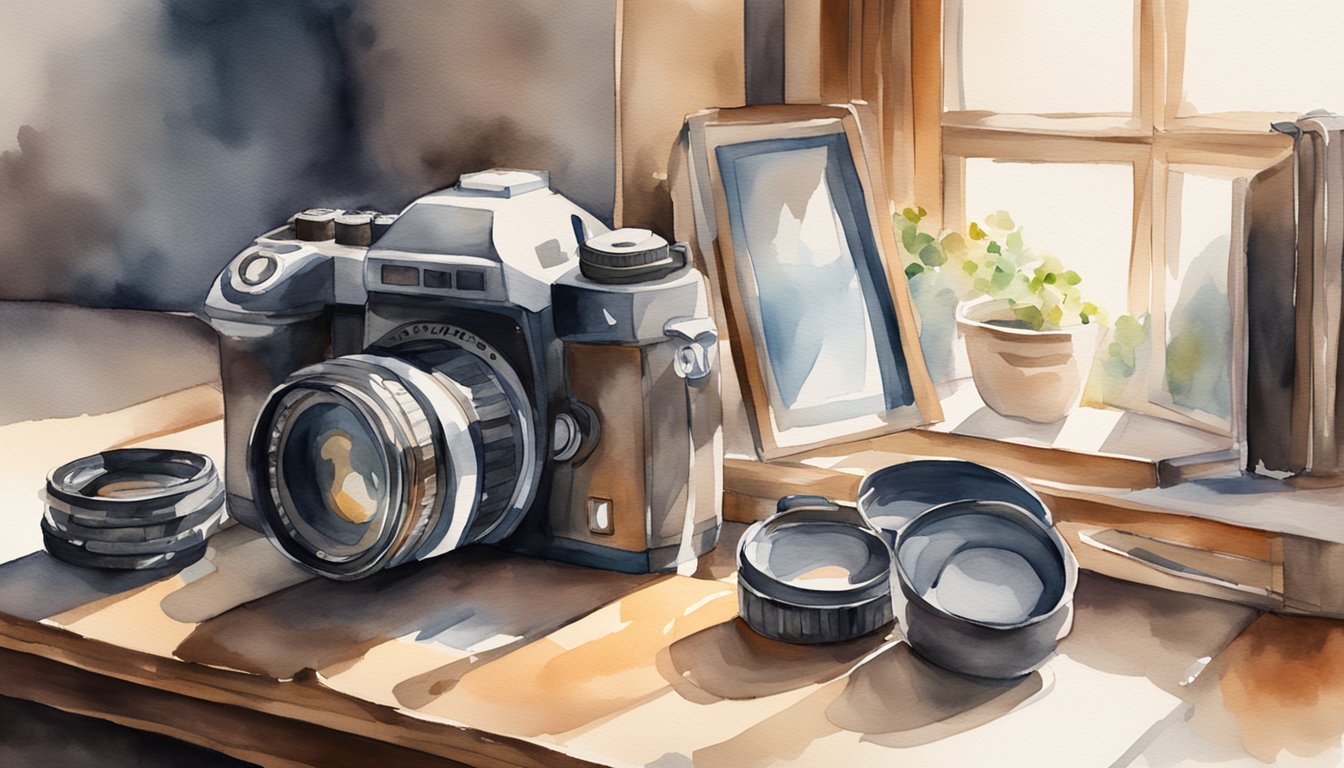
71	527
76	555
177	542
133	487
986	587
132	509
814	572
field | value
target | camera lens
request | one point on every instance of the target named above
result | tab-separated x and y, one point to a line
366	461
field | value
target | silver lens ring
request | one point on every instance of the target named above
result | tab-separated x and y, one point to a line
447	524
531	457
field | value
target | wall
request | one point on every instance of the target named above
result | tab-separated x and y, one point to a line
676	57
145	141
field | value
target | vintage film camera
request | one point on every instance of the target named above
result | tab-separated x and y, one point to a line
482	372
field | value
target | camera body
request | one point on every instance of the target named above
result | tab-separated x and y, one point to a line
476	371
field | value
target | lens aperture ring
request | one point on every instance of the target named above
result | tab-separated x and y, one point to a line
435	462
422	459
498	433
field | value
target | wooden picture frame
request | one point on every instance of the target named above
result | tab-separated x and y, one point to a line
716	142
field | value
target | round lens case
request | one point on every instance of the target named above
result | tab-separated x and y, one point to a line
814	572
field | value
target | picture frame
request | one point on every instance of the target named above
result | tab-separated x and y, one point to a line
740	163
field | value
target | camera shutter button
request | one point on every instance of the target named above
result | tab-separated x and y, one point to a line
258	268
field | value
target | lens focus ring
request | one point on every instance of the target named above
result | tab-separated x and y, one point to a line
498	434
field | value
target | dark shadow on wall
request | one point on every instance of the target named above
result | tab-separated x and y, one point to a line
174	132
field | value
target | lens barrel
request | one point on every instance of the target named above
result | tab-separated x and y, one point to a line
366	461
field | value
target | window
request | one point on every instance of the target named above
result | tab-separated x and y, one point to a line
1115	132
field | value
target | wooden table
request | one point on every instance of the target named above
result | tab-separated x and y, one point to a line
487	658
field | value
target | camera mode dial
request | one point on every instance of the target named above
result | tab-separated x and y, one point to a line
629	255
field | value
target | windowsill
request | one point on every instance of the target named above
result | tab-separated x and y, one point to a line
1081	125
1219	492
1091	471
1093	447
1099	431
1124	461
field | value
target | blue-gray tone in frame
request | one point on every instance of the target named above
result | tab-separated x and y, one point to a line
830	295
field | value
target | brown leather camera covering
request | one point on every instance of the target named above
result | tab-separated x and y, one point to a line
609	379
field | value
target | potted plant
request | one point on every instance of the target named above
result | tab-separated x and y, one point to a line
1030	335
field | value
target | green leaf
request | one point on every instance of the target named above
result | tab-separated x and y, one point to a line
1014	241
912	270
1000	220
954	244
911	215
932	255
1072	278
1049	278
970	267
993	247
976	232
1129	332
922	212
1031	316
914	241
1055	316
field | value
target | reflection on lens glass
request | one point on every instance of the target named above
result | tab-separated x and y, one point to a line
348	491
333	471
117	488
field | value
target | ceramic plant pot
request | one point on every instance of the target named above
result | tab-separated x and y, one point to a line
1020	372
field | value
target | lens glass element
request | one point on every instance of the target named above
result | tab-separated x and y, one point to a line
333	469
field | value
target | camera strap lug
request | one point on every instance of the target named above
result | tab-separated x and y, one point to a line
696	356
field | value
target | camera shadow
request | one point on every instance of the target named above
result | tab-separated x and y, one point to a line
462	599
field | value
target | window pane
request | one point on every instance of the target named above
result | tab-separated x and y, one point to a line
1080	212
1043	56
1257	56
1197	374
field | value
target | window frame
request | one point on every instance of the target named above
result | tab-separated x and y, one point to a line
1155	139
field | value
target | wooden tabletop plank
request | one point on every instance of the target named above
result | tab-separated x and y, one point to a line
1275	695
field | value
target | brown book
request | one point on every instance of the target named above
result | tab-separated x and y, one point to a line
1271	334
1294	303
